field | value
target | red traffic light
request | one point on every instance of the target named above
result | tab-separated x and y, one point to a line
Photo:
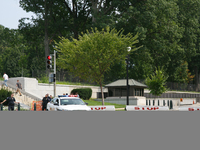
49	57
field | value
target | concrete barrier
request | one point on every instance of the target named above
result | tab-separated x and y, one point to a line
146	108
189	108
103	108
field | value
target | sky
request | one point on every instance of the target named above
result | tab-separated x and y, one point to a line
11	13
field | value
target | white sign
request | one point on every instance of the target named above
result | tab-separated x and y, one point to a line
146	108
103	108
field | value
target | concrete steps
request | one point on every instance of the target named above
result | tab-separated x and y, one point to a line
24	100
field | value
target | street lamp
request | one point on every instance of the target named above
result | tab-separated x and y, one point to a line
127	85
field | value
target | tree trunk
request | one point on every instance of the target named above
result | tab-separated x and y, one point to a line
94	10
102	95
196	79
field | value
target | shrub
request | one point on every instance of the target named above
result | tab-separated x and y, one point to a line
84	93
4	93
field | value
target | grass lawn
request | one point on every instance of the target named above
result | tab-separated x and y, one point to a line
74	83
92	102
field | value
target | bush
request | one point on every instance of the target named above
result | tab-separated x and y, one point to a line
4	93
84	93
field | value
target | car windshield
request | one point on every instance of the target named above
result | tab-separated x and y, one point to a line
71	102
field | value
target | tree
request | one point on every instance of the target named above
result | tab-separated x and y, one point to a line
160	34
92	55
156	82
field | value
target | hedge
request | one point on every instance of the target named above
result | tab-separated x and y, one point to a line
84	93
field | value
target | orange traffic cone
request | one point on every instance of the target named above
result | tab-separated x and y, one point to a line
193	101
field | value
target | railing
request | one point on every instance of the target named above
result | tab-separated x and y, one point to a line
173	95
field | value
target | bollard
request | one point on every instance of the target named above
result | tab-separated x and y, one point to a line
171	105
34	106
153	102
168	103
149	102
146	102
163	102
18	106
1	107
158	102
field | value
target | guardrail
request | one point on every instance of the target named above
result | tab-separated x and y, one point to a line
18	107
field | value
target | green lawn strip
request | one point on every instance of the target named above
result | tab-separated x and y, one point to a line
74	83
92	102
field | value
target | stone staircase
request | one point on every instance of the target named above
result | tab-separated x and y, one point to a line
25	100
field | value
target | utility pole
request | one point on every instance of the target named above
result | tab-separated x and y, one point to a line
54	73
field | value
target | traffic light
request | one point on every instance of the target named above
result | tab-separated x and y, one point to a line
49	62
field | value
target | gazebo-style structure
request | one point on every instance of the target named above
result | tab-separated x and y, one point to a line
119	88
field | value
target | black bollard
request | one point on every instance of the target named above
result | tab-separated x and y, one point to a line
168	103
146	102
153	102
34	106
149	102
18	106
1	107
158	103
171	105
163	102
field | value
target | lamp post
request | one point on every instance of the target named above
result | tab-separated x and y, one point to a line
127	85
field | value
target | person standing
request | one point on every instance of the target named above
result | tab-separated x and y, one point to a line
5	77
45	100
19	87
11	102
50	97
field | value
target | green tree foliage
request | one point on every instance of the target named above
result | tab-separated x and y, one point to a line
156	82
12	49
157	23
168	31
92	55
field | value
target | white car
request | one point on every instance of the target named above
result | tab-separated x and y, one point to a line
67	104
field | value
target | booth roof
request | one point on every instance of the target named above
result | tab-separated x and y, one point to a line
122	83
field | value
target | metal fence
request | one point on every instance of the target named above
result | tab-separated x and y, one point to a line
173	95
181	86
69	77
64	76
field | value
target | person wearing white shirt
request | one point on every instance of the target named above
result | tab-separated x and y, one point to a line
5	77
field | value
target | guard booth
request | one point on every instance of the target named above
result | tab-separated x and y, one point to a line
119	87
117	92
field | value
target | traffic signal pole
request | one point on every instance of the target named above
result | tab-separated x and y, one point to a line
54	73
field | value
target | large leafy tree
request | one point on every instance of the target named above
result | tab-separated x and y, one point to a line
160	33
92	55
189	20
12	49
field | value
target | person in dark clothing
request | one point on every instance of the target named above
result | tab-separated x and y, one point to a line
11	102
45	100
